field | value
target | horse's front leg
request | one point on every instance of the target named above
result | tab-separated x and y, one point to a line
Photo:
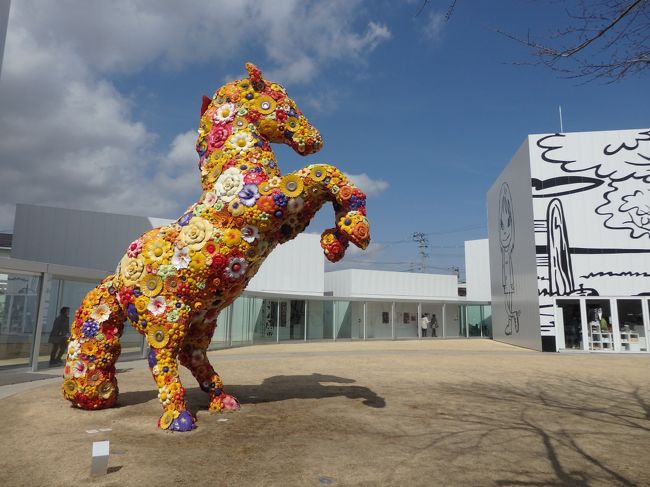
349	206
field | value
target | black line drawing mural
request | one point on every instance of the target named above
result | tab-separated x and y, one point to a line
611	172
507	240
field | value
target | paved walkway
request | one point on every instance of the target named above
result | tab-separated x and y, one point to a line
466	412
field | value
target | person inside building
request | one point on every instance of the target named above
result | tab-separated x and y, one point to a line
434	325
59	336
424	324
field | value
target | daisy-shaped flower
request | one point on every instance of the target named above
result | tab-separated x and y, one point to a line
236	268
134	248
225	113
241	141
74	348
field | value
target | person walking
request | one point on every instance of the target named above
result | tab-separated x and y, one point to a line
59	336
424	324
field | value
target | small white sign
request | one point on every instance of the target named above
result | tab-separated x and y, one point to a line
99	462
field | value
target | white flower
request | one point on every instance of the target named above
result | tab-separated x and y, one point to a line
181	258
157	305
229	184
225	113
100	313
210	198
74	348
241	141
249	233
196	233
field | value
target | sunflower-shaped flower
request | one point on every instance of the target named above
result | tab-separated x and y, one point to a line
166	420
150	285
157	336
318	173
264	104
106	389
229	184
291	185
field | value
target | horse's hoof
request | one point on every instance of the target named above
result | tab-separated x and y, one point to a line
224	402
184	421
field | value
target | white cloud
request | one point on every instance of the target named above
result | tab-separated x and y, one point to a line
70	138
372	187
433	25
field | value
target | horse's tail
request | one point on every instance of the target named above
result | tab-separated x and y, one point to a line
93	349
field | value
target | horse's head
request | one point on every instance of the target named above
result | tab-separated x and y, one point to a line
263	104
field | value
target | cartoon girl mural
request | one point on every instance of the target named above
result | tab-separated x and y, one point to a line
507	240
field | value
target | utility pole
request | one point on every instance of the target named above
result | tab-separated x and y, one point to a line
423	244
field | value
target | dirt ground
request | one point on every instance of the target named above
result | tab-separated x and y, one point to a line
449	412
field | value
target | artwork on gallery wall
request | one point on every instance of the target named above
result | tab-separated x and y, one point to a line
507	242
384	317
608	175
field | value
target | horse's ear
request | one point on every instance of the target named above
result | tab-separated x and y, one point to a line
255	75
204	104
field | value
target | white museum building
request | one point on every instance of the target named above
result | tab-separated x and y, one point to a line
569	236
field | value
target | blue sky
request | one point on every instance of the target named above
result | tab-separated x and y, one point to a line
100	103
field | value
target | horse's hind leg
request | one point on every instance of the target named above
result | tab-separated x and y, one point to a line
193	356
164	368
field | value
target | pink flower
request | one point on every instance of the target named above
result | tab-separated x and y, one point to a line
218	135
78	369
157	305
134	249
230	402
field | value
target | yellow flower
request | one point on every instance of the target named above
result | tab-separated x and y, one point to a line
69	388
328	239
89	348
166	420
231	237
264	104
106	389
291	185
157	336
236	208
131	270
197	264
141	304
157	249
151	284
291	124
318	173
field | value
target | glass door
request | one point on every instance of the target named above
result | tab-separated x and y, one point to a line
599	325
630	325
568	323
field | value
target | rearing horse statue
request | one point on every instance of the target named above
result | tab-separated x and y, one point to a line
174	280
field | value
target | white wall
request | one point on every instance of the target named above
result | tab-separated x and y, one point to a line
477	270
378	284
594	187
512	255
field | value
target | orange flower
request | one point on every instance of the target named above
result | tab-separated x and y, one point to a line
266	203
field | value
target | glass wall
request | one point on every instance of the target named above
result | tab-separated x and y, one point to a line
293	319
407	321
630	324
348	320
434	312
19	296
320	318
456	321
379	320
568	323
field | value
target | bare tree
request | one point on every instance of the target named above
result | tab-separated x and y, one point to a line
604	39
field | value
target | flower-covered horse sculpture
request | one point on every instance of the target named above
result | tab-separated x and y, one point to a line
173	281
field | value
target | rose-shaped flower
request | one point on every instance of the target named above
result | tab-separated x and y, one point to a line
218	135
229	184
196	233
131	269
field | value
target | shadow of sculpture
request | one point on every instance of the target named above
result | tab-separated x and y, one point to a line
273	389
577	432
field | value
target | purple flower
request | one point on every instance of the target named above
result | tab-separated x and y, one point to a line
151	357
185	219
280	199
184	422
132	313
90	328
249	194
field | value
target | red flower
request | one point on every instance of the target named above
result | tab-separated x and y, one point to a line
218	135
280	115
219	261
